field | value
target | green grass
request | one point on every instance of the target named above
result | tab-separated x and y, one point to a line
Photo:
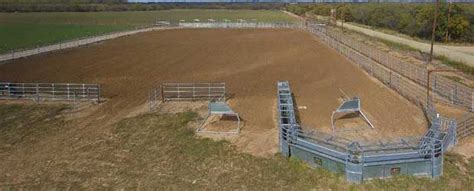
458	65
28	30
444	60
159	152
142	17
18	122
398	46
20	36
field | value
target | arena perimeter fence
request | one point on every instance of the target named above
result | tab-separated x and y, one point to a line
242	25
160	25
359	162
74	43
407	79
50	91
448	90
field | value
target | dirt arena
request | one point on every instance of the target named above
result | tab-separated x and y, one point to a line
250	62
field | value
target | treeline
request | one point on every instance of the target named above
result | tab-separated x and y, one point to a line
64	1
412	19
118	5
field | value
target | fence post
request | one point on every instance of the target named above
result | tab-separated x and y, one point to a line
68	93
9	90
37	93
372	68
52	85
390	77
23	89
179	92
98	93
162	95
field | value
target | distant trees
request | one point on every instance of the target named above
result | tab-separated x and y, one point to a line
411	19
117	5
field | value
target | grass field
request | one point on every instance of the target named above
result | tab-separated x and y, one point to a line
27	30
159	151
18	36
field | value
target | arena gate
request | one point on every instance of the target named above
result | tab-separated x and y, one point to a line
50	91
192	91
186	92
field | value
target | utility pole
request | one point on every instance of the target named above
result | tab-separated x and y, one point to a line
433	36
343	16
446	39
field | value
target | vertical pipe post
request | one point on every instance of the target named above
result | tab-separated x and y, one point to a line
68	92
98	93
37	93
162	94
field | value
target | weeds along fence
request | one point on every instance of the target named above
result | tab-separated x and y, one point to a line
359	162
73	43
50	91
186	92
383	66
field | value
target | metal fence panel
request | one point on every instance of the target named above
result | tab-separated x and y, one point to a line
361	162
192	91
50	91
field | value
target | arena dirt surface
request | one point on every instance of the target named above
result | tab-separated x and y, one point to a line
249	61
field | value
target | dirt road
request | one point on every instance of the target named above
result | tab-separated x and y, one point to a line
463	54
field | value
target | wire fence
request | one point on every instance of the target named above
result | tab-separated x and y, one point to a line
384	67
50	91
465	126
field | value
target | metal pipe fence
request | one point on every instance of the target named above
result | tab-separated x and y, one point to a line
50	91
369	58
154	98
192	91
465	126
418	157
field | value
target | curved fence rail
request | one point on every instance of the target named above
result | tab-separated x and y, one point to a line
50	91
